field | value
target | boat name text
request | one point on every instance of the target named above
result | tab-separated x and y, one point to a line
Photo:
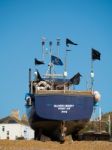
64	108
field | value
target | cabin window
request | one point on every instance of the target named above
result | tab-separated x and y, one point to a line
25	131
3	128
8	135
7	132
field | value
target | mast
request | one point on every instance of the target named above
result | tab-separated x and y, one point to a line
92	74
65	64
58	44
95	55
43	48
50	65
54	60
30	82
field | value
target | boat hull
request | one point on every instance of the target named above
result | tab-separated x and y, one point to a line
53	112
64	107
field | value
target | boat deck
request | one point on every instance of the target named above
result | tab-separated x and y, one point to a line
65	92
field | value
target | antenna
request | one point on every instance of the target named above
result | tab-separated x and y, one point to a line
65	64
43	48
58	44
50	45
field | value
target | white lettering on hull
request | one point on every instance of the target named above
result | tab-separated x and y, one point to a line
64	108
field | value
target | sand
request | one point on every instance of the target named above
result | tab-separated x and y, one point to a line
49	145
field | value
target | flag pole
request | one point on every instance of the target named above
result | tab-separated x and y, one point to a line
58	44
65	64
95	55
65	61
43	48
50	44
92	73
30	83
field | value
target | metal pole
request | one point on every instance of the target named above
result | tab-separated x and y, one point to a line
65	69
92	75
29	79
50	44
58	44
65	64
43	48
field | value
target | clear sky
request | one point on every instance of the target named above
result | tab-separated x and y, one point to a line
23	23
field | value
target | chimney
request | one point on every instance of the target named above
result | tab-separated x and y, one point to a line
15	113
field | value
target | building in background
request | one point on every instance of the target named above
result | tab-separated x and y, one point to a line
13	128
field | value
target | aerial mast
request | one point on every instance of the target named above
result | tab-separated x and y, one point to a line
92	74
95	55
50	45
43	48
58	44
65	64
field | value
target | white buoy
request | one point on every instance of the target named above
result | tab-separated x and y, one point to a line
97	96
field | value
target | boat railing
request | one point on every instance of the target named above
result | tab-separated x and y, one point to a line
68	92
35	90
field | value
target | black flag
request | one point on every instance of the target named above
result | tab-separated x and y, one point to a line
38	77
37	62
68	41
95	54
75	79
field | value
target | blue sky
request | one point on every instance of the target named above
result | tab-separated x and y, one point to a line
23	23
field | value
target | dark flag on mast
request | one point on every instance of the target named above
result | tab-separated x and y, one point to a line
38	76
68	41
38	62
75	79
56	61
95	54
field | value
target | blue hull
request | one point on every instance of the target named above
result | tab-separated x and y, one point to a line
64	107
47	112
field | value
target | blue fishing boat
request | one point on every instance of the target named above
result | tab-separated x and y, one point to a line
54	108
